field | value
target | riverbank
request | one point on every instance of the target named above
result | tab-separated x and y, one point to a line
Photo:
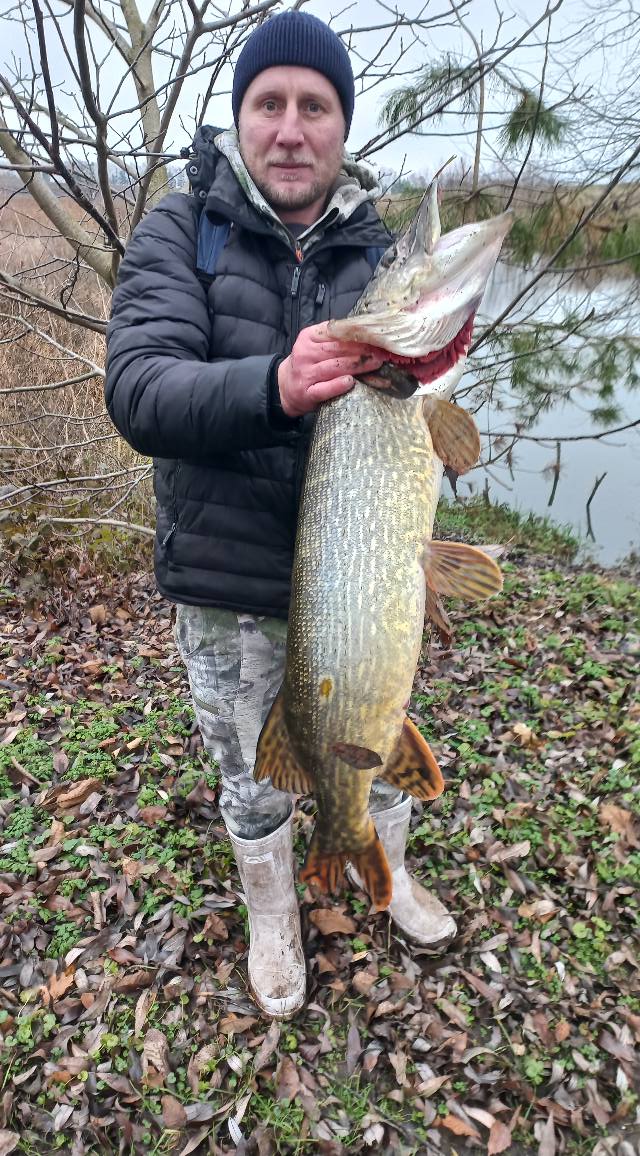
124	1012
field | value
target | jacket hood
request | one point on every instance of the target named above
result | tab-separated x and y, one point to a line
356	184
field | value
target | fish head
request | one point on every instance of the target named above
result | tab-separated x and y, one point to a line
420	305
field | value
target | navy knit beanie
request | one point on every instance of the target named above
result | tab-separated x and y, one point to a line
300	39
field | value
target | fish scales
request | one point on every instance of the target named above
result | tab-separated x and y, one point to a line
357	611
365	567
359	621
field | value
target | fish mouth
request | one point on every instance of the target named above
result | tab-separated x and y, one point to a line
439	361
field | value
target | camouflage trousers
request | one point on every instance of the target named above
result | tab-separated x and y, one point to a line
235	663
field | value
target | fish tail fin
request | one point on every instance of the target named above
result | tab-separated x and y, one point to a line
373	868
323	869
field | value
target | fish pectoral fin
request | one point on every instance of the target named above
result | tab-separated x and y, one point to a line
453	432
461	571
437	614
412	766
276	758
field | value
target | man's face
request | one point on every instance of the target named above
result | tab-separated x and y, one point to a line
291	129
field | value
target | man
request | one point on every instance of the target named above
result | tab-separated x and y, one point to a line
220	386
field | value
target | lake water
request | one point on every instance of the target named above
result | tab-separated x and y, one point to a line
615	508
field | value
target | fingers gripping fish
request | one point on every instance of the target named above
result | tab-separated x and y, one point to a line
366	567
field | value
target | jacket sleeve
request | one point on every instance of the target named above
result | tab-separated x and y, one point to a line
162	393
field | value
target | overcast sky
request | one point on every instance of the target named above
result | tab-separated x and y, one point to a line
451	135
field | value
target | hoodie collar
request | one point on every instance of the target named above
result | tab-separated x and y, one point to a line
356	184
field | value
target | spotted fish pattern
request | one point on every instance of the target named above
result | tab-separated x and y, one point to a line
235	664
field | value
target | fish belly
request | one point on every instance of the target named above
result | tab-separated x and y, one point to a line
357	612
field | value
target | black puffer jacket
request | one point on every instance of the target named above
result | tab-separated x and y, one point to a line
188	382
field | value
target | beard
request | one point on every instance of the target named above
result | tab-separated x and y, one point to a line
293	197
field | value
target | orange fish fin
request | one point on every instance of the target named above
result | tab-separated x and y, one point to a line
412	766
437	614
276	758
373	868
323	870
453	432
461	571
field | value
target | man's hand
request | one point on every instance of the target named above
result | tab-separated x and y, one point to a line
319	368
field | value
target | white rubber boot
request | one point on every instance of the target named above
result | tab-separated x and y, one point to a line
277	973
422	917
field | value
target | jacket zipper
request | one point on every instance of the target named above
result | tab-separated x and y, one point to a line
174	503
295	328
295	294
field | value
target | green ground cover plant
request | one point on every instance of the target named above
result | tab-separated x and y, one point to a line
125	1021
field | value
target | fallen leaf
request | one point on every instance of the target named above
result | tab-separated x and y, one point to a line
499	1138
562	1031
459	1127
195	1141
70	797
433	1084
155	1058
542	909
514	851
547	1139
231	1024
398	1061
173	1114
287	1079
373	1135
620	821
146	999
354	1047
8	1141
526	736
215	927
330	922
267	1047
9	735
60	762
198	1062
153	814
479	1114
58	984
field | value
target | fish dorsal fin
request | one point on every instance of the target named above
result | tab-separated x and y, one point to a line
276	758
453	432
412	766
460	571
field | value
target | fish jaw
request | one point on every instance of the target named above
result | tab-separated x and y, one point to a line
419	308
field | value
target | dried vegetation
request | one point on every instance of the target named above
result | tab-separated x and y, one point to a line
125	1021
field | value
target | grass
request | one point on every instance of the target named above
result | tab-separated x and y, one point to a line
547	657
477	520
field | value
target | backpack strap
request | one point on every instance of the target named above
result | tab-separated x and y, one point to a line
375	253
212	239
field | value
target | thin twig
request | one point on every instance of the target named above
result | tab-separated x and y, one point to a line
598	482
133	526
556	475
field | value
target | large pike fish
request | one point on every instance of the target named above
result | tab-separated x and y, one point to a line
365	566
